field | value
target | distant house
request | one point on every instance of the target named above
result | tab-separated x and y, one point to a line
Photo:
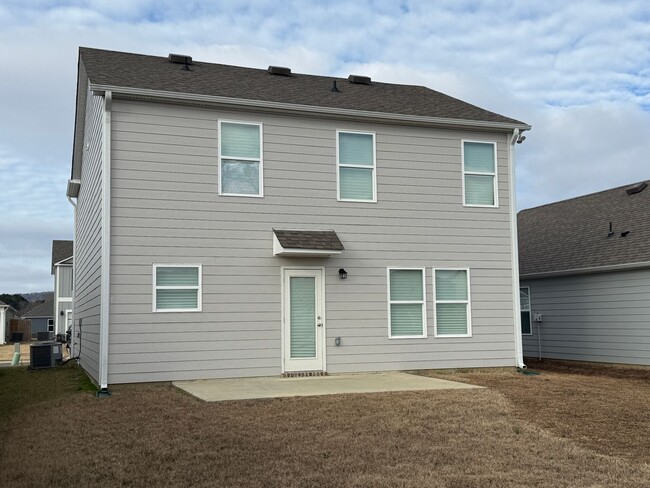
41	317
235	222
585	272
62	270
6	314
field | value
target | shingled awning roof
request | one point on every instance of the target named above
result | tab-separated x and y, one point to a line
306	242
573	236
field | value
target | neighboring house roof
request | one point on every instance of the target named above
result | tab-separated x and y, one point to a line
61	250
44	310
573	236
4	305
118	69
309	239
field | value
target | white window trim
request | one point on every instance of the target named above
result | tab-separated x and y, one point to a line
530	312
422	302
340	165
436	302
260	160
199	288
494	174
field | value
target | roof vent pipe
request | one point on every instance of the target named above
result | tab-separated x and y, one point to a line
611	231
334	87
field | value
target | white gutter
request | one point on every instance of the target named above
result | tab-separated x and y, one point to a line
305	109
104	320
514	243
74	276
596	269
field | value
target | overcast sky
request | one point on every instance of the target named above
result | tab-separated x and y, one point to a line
578	72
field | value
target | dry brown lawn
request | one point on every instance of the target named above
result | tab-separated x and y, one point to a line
560	429
7	352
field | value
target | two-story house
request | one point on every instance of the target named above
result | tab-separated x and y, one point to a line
239	222
62	264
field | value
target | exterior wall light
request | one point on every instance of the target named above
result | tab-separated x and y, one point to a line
343	274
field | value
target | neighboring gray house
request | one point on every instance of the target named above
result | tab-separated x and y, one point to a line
62	263
585	267
41	317
243	222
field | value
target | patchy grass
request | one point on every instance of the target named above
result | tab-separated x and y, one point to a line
155	435
604	408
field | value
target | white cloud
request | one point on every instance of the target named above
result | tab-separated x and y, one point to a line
577	71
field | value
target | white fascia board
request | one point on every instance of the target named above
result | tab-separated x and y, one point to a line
579	271
117	91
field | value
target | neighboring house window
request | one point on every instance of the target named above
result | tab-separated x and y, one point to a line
524	299
177	288
356	166
407	312
240	159
452	303
480	188
50	325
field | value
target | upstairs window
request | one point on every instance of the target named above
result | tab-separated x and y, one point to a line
177	288
240	159
524	300
452	303
407	311
356	166
480	187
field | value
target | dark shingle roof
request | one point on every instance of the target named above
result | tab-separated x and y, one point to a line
573	234
325	240
127	70
46	309
61	250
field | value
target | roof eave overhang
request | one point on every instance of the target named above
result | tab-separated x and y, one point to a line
581	271
279	250
194	98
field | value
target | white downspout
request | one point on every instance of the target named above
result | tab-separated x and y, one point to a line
106	247
74	277
514	243
2	325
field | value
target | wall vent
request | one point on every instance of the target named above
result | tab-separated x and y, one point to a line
280	70
359	80
638	188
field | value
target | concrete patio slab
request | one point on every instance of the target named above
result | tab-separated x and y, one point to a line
217	390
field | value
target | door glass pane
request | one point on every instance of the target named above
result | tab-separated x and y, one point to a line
302	317
525	322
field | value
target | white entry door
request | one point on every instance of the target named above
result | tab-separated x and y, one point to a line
303	333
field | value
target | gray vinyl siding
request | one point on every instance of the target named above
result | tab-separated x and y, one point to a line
88	237
601	317
65	282
166	209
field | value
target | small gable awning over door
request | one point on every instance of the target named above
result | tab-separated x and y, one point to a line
306	243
